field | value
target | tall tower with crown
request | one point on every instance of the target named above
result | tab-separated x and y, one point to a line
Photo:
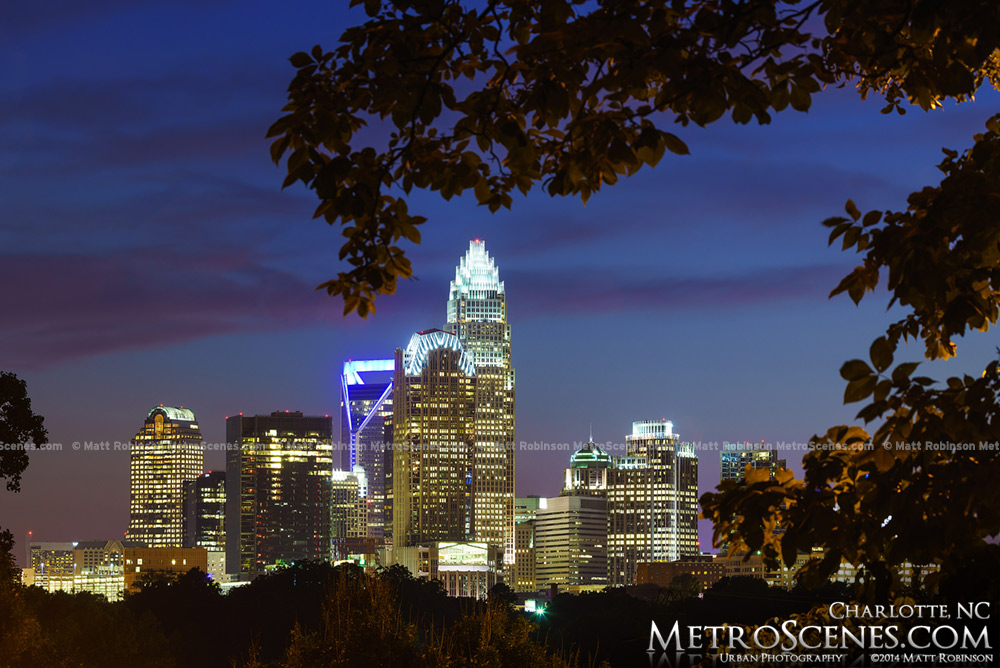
477	315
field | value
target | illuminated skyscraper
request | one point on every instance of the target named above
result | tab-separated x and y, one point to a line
652	501
434	411
734	458
477	315
351	517
366	427
205	511
166	452
277	490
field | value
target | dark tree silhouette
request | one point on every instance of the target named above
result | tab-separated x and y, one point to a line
19	425
22	428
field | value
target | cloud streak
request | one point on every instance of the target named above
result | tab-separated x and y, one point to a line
601	292
63	307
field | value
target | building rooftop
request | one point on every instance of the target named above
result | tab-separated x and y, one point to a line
476	274
590	456
175	414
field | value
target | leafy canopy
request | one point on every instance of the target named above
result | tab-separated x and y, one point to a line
571	95
921	487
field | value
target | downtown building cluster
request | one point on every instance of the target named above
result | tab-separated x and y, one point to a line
430	434
614	514
420	474
291	493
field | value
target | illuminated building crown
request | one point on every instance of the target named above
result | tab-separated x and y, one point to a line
477	275
422	343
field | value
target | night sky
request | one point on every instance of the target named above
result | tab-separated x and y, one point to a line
149	256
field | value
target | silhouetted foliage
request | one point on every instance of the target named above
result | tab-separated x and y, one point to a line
76	630
570	95
903	493
501	595
19	426
362	626
614	625
313	615
685	586
9	572
186	607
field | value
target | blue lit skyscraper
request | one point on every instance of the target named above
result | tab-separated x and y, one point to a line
365	428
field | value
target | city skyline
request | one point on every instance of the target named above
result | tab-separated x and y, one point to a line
713	268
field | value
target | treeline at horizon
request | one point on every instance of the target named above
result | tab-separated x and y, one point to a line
313	615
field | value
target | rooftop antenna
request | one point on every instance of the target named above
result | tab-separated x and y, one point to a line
591	432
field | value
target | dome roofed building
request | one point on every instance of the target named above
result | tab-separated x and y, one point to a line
587	474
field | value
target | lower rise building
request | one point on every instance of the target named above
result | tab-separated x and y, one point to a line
353	519
739	565
704	567
106	567
571	543
142	564
465	569
523	576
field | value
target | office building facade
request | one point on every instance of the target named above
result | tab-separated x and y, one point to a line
434	410
351	519
588	471
366	429
464	568
652	501
165	454
522	580
144	564
571	550
735	457
277	490
205	511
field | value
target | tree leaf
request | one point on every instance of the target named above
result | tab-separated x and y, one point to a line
852	210
859	389
674	144
881	354
300	60
855	369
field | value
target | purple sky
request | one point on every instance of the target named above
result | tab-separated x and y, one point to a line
149	256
